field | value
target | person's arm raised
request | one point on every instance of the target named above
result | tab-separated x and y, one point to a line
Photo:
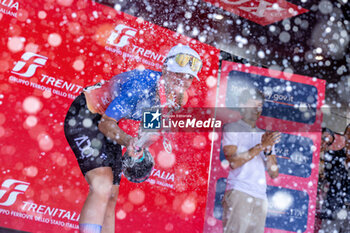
238	159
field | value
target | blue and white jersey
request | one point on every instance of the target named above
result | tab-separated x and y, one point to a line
125	95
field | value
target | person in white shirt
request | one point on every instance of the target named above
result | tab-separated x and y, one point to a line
250	152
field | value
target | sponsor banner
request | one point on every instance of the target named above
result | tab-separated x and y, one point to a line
284	99
9	7
286	205
12	191
292	102
262	12
294	155
287	208
292	195
49	53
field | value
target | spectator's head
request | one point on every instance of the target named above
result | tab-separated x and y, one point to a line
251	103
327	139
347	131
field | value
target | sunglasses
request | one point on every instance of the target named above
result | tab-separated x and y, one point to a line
183	59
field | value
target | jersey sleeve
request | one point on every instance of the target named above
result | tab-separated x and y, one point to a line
137	87
123	105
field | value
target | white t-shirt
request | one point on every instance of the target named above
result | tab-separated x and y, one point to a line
250	177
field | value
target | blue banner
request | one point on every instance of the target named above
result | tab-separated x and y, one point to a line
294	155
284	99
287	208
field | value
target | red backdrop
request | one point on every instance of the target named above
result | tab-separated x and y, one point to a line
49	51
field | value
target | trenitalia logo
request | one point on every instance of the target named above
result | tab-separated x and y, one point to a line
120	37
19	188
34	60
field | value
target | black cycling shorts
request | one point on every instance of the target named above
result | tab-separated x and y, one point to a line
91	148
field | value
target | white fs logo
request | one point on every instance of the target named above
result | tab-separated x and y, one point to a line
38	61
20	188
120	37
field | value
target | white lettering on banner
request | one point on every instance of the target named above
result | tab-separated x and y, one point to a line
35	61
60	83
10	4
114	50
70	96
60	93
122	34
40	87
12	188
132	57
282	151
163	175
26	216
150	63
296	213
148	53
14	79
51	211
160	183
8	12
277	97
165	184
6	212
70	225
59	223
22	215
19	81
41	219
